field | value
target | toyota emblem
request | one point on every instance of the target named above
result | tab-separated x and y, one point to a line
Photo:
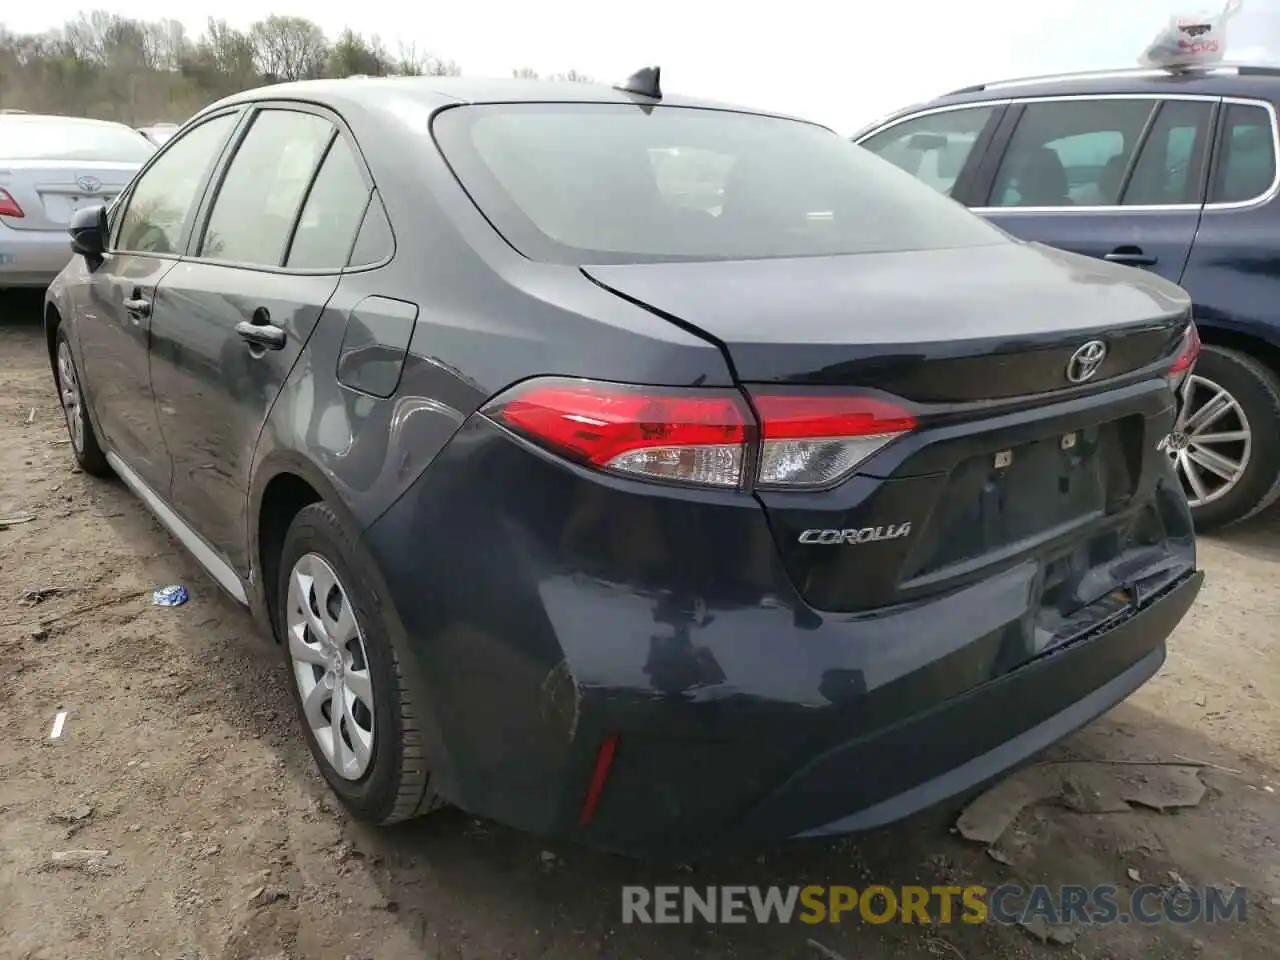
90	184
1084	363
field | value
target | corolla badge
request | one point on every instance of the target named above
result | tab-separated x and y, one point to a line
1084	363
864	535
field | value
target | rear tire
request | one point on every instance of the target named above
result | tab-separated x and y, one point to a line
1252	414
376	764
84	442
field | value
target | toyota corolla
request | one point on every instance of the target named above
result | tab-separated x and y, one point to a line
669	476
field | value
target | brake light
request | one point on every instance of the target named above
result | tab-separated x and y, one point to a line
813	441
704	437
9	206
695	436
1186	357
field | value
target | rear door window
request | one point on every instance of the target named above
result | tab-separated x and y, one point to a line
264	185
332	213
1245	166
1169	165
1070	153
933	148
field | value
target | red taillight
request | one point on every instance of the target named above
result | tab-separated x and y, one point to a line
9	206
690	436
1188	353
813	441
702	436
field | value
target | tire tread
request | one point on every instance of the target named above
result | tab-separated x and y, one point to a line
411	793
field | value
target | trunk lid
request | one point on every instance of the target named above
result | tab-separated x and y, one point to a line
936	326
50	191
1010	463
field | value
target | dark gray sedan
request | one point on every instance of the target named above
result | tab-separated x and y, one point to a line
656	473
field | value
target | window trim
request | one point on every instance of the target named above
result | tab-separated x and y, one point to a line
213	188
1260	200
125	196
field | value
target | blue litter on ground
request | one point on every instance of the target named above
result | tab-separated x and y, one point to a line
174	596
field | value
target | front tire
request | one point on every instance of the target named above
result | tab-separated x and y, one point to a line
1226	442
84	442
357	714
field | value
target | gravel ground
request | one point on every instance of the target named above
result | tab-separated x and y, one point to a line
179	758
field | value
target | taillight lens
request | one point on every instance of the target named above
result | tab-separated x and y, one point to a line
702	437
693	436
813	441
9	206
1186	357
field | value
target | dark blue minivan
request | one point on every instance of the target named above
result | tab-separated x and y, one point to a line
1169	171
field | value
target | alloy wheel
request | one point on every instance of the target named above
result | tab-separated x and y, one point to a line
69	389
1211	441
330	666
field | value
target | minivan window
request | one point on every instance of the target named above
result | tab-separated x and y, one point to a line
257	204
935	147
1246	163
578	183
1070	153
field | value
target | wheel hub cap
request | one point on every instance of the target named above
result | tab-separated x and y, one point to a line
1211	442
69	394
330	666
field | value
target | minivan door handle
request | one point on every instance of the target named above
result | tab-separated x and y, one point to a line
1131	257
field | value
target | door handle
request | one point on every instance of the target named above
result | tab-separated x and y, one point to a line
1131	257
265	335
137	306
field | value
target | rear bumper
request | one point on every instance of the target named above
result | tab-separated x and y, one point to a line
996	727
544	611
32	258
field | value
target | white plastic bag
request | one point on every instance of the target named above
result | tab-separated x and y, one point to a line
1191	40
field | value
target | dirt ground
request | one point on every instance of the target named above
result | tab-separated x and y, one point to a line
179	757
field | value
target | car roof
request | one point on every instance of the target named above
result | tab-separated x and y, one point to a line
435	92
1221	80
51	118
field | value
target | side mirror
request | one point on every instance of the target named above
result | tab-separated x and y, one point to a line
88	229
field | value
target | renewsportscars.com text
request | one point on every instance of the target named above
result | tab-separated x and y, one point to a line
1007	904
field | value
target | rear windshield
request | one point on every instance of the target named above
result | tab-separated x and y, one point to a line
31	139
617	183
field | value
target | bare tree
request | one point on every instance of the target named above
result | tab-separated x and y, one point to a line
289	48
101	64
166	44
411	63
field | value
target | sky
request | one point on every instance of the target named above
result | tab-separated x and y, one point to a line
843	64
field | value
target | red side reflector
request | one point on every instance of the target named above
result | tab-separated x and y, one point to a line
9	206
604	760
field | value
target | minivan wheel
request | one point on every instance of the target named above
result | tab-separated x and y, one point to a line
1225	444
84	442
357	714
